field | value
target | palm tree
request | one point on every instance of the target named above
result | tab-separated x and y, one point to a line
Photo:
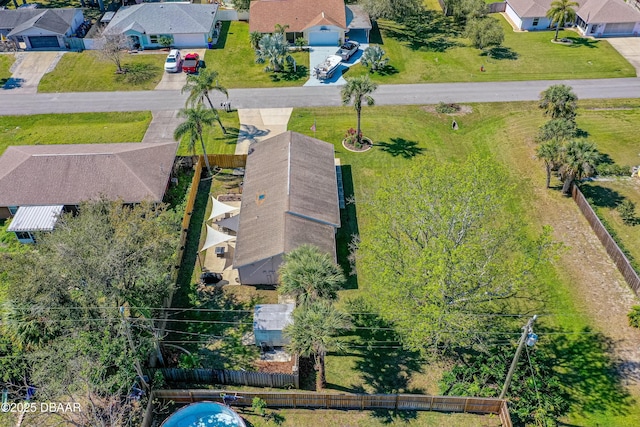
199	85
558	130
549	152
254	39
198	118
579	159
559	102
358	89
313	333
373	58
560	12
310	275
281	29
274	49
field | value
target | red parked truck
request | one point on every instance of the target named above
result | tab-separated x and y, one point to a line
191	63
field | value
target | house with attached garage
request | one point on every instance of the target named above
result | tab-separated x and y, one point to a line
40	28
289	199
320	23
597	18
39	182
190	25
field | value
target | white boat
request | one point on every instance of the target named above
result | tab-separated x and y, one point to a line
327	68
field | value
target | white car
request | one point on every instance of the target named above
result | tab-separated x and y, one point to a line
173	61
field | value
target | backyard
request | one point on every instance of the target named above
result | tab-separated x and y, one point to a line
87	72
430	48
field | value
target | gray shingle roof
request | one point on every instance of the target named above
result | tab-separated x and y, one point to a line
530	8
69	174
54	20
164	18
607	12
290	197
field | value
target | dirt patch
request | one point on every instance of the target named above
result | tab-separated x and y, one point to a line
274	367
464	109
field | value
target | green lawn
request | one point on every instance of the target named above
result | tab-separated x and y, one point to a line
86	72
6	61
215	141
80	128
433	50
505	133
234	59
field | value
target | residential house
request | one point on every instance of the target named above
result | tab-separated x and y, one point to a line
269	320
38	182
190	25
598	18
290	198
40	28
321	23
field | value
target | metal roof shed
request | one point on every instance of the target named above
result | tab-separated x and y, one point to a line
269	320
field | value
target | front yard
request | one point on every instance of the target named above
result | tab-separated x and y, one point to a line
432	49
6	61
234	59
78	128
87	72
214	140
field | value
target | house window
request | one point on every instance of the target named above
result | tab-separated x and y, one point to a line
13	210
154	39
535	22
593	29
24	235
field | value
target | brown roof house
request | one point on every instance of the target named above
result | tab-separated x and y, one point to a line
321	23
598	18
38	181
290	198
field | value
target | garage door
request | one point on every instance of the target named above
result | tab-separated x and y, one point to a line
189	40
39	42
323	38
623	28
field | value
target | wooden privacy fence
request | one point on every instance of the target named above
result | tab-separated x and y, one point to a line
409	402
225	376
228	161
612	248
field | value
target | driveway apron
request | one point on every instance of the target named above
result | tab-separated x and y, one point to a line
629	47
175	81
162	126
29	69
257	124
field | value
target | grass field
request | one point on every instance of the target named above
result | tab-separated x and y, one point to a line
6	61
86	72
432	49
215	141
234	59
79	128
504	132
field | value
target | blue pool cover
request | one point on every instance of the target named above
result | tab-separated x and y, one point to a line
204	414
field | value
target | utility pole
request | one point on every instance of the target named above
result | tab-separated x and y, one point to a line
527	332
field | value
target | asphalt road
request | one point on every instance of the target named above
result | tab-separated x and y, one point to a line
44	103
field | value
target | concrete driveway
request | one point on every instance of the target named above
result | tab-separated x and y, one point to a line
162	125
175	81
317	54
257	124
629	47
29	69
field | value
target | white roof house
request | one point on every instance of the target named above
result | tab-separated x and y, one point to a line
191	25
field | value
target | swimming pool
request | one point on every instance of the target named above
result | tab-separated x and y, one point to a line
204	414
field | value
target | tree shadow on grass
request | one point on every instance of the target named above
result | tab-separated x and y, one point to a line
401	147
428	30
289	75
500	53
601	196
582	42
387	70
224	33
591	378
348	230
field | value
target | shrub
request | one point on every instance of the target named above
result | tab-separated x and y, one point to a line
351	137
634	316
139	73
373	58
612	169
300	42
258	405
627	211
165	41
443	108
